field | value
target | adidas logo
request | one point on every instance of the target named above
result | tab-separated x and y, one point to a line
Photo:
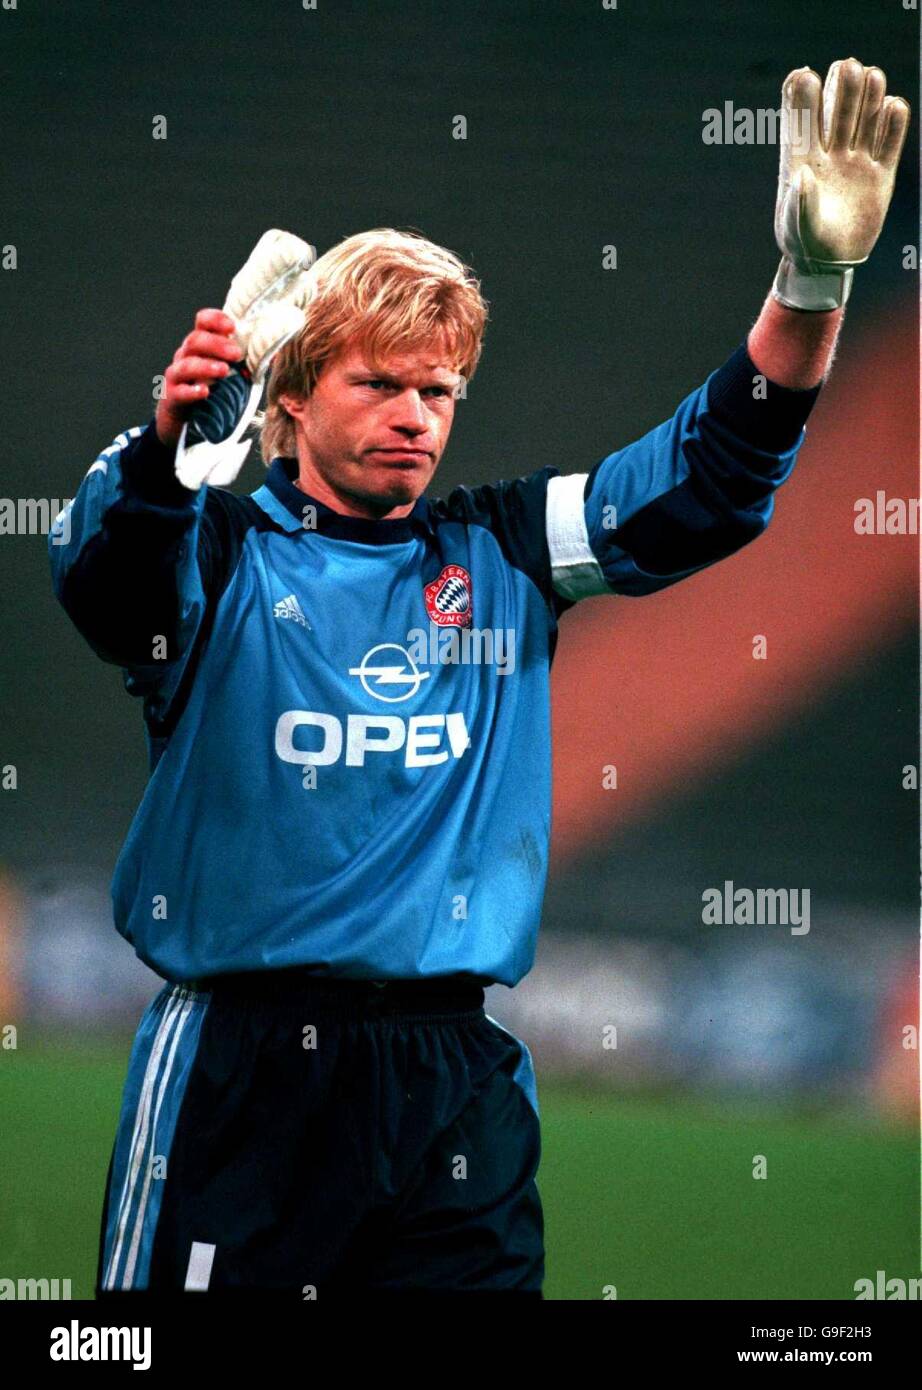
290	608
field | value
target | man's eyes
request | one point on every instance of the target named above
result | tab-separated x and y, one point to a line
427	390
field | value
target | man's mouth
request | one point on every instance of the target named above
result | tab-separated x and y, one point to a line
402	455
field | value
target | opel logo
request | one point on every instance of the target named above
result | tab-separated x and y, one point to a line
388	666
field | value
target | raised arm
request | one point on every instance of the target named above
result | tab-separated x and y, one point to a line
137	554
701	485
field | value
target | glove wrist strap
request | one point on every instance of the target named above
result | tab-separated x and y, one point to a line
800	289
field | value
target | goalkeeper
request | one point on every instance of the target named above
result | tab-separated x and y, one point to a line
340	844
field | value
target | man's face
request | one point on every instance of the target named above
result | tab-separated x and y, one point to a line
369	441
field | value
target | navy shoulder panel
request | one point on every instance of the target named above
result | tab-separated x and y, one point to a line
225	521
515	513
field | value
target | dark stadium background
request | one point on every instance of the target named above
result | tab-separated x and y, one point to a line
584	130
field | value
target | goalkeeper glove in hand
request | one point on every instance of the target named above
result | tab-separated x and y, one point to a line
840	145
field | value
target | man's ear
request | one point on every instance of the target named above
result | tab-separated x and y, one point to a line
292	405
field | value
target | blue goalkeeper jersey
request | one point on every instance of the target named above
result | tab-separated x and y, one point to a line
348	720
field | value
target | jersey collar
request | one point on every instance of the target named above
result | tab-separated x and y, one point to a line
285	503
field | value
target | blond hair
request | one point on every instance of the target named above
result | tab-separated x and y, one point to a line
394	292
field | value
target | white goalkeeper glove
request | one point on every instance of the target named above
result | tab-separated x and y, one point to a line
267	301
840	146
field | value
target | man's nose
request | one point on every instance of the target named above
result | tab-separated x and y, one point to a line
410	413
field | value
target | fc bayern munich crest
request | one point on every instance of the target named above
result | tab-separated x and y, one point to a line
449	599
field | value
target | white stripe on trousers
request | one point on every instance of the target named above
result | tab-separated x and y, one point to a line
177	1007
148	1167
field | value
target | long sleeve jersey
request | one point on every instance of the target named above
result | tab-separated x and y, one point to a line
348	720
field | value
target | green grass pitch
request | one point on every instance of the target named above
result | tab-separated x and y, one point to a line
654	1196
